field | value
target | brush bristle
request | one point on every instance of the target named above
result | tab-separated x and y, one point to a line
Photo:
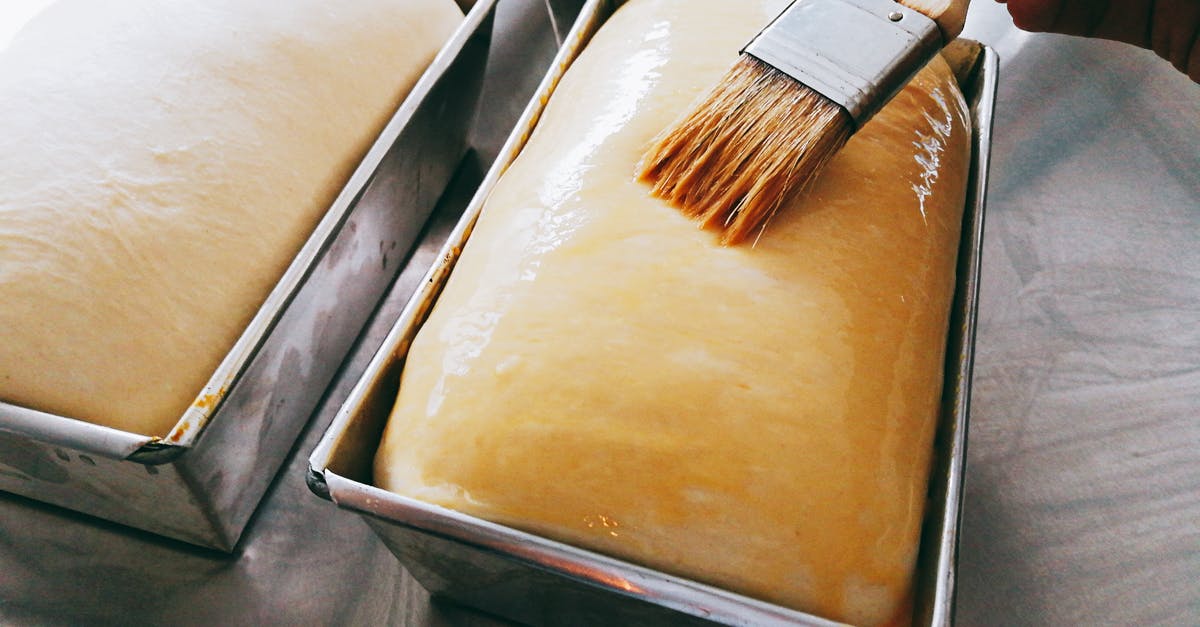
757	138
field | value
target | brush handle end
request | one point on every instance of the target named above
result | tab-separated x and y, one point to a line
950	15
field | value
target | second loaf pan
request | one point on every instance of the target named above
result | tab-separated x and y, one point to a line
535	580
202	481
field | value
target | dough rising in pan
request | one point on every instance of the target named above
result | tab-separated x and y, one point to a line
163	162
601	372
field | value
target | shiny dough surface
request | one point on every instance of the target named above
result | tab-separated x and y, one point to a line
163	161
598	370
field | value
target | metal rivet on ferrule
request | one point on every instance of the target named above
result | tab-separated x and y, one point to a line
895	16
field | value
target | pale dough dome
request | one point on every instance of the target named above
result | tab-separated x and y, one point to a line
601	372
163	161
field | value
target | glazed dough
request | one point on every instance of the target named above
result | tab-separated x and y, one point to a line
163	161
600	371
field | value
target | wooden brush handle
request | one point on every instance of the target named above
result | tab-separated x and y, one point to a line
949	14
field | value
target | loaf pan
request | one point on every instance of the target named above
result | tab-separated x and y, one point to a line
534	580
201	482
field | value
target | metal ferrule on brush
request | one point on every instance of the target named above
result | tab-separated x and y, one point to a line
857	53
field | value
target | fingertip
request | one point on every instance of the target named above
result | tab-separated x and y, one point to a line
1031	15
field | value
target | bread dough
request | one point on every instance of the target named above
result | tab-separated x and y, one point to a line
600	371
163	161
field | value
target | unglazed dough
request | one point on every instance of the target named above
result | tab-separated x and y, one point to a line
600	371
162	162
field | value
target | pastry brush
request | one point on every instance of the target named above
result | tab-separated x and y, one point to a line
800	89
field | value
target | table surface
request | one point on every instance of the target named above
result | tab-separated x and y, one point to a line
1083	481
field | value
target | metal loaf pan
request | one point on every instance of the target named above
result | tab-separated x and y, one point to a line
534	580
201	482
